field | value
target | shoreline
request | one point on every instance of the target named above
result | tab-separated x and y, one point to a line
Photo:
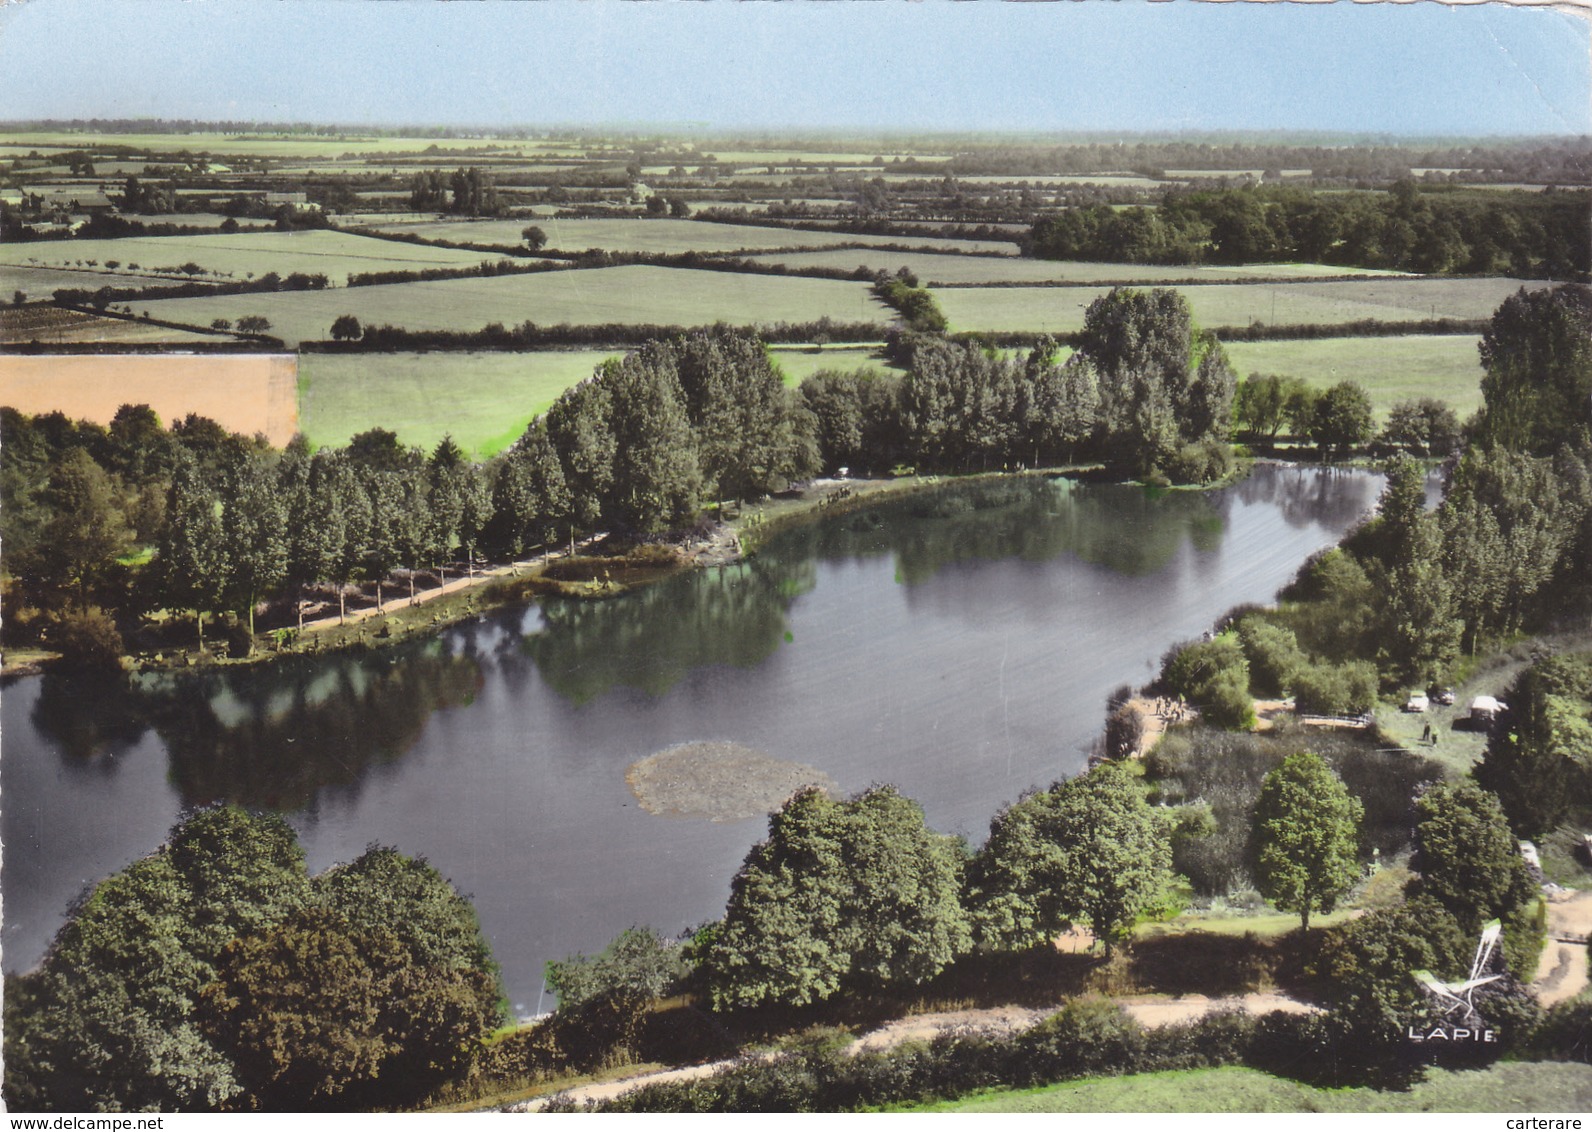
522	581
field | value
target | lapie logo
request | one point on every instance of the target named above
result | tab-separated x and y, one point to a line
1458	1000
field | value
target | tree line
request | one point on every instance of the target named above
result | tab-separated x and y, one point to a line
1407	228
467	191
1145	389
856	900
638	448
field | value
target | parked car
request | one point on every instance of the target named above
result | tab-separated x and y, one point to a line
1417	702
1446	697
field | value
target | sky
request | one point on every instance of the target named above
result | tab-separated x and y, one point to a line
1413	69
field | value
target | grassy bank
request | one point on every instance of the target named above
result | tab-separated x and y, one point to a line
1542	1087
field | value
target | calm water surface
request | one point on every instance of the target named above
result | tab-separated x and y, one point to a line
960	644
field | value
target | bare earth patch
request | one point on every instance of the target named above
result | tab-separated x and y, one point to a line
719	781
246	393
1562	969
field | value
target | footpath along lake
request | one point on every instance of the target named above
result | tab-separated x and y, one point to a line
959	643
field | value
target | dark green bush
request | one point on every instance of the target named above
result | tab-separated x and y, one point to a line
1205	461
87	639
1336	689
1565	1033
1275	658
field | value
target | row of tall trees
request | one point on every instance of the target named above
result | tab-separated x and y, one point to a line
1526	234
1145	388
469	192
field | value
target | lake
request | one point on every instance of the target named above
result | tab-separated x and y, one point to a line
959	643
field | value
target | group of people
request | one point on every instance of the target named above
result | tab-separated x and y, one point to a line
1171	711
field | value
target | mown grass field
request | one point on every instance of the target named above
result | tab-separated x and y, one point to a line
241	255
1535	1087
42	282
490	396
798	363
931	268
1444	366
482	399
1060	310
656	295
668	236
608	295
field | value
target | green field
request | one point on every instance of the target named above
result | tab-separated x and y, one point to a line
798	363
931	268
1535	1087
41	282
660	295
1057	309
490	396
241	255
484	400
668	236
1444	366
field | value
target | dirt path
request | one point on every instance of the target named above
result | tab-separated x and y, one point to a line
999	1021
463	582
1562	970
608	1090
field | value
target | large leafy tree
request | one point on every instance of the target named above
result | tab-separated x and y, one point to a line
657	479
1090	850
752	433
1537	354
255	525
530	501
1540	763
317	518
1342	418
1163	383
834	398
1419	634
857	893
1468	859
191	563
107	1021
216	973
579	428
1058	404
1512	525
385	978
1304	836
86	530
299	1009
